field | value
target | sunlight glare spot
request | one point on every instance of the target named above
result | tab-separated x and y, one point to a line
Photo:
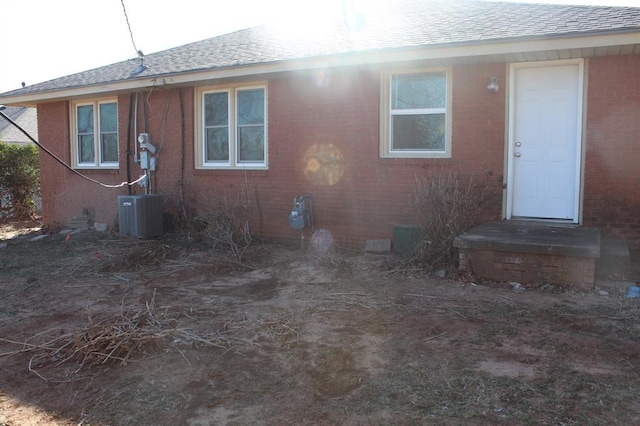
323	164
322	76
304	22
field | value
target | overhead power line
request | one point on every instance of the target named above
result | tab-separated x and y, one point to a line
126	17
55	157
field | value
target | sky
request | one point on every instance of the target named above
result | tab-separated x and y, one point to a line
44	39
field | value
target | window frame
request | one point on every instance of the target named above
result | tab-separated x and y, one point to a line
97	162
387	114
233	162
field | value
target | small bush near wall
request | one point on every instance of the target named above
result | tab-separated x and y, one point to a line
19	180
226	226
445	205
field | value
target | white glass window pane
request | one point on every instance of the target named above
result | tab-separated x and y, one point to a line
86	153
250	106
108	117
251	129
216	109
419	91
418	132
251	144
216	131
109	147
85	135
85	119
217	144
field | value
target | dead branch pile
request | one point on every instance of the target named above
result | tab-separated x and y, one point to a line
251	332
110	256
132	255
117	339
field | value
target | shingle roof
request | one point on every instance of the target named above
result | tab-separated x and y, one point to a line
389	25
26	118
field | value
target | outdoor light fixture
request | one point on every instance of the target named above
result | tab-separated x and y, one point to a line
493	86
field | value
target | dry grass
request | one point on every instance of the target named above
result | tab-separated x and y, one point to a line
449	387
397	349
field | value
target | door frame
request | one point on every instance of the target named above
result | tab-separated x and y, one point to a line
510	148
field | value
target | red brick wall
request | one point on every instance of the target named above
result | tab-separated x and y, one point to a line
371	195
612	160
53	122
174	176
529	268
64	194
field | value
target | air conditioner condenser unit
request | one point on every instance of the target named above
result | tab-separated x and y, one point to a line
140	216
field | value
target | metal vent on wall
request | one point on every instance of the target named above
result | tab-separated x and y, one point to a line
140	215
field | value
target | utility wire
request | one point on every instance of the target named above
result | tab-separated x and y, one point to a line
126	17
55	157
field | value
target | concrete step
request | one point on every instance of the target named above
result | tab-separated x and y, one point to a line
614	258
531	252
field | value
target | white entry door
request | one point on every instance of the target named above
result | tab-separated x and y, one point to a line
544	140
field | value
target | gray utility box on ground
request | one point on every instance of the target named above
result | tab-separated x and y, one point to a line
140	215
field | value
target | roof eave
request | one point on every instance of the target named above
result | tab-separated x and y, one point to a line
481	48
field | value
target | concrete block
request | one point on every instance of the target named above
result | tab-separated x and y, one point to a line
406	238
79	222
378	246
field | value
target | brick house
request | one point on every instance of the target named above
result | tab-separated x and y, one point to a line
541	102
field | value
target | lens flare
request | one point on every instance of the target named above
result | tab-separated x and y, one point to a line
321	240
324	164
322	77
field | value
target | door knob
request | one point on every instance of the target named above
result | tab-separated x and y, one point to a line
518	144
517	154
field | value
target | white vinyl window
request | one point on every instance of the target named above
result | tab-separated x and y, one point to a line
95	134
232	129
416	114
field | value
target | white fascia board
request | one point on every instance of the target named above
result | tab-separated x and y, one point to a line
479	49
501	47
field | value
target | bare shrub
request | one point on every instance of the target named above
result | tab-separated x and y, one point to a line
226	229
445	205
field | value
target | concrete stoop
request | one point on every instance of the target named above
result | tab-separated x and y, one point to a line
531	253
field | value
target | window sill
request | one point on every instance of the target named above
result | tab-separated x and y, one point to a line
98	170
405	155
232	168
232	172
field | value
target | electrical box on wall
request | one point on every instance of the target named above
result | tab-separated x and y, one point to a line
140	216
147	152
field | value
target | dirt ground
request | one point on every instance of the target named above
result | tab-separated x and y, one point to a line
297	337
